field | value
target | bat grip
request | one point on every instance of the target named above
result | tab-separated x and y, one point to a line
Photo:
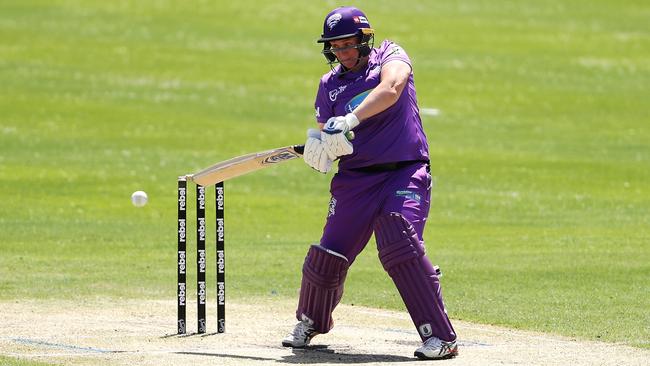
300	149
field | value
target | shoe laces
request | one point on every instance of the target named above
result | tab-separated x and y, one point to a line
433	342
302	330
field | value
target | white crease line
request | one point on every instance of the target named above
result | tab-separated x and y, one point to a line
385	315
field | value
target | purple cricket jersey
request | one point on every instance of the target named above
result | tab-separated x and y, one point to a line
396	134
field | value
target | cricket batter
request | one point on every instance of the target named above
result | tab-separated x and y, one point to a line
383	184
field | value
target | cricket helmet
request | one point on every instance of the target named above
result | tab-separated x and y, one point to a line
346	22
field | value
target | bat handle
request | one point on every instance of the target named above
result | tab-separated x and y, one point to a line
300	149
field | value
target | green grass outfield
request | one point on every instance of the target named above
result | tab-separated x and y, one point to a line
541	154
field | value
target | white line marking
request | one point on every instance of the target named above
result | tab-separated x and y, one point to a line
430	112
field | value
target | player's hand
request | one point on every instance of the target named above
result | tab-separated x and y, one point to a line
341	124
334	135
315	154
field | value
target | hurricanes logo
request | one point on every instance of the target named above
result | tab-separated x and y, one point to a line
425	330
333	20
332	208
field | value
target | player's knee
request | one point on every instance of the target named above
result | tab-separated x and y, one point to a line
397	241
325	268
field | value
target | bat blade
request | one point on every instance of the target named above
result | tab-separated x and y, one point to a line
244	164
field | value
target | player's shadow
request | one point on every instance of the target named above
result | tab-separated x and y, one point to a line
322	354
224	355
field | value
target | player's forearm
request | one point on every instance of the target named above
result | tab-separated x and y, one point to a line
380	99
394	77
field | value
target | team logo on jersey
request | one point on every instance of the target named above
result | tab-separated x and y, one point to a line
333	20
354	102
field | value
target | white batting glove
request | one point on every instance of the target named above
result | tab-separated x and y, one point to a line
334	135
315	154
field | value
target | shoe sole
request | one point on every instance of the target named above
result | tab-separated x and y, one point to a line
421	356
287	344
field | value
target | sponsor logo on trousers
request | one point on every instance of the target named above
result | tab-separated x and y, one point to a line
181	230
220	229
332	208
201	292
221	293
181	294
221	262
201	260
181	262
219	198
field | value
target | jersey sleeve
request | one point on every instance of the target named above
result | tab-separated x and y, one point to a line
322	105
392	51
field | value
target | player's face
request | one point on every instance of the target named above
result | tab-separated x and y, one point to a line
345	51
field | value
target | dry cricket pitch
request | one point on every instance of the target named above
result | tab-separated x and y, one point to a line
141	333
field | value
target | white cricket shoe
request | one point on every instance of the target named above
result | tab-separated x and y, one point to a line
301	335
436	349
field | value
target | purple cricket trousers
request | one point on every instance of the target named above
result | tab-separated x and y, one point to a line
394	204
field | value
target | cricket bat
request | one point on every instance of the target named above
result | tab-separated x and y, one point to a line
248	163
245	164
